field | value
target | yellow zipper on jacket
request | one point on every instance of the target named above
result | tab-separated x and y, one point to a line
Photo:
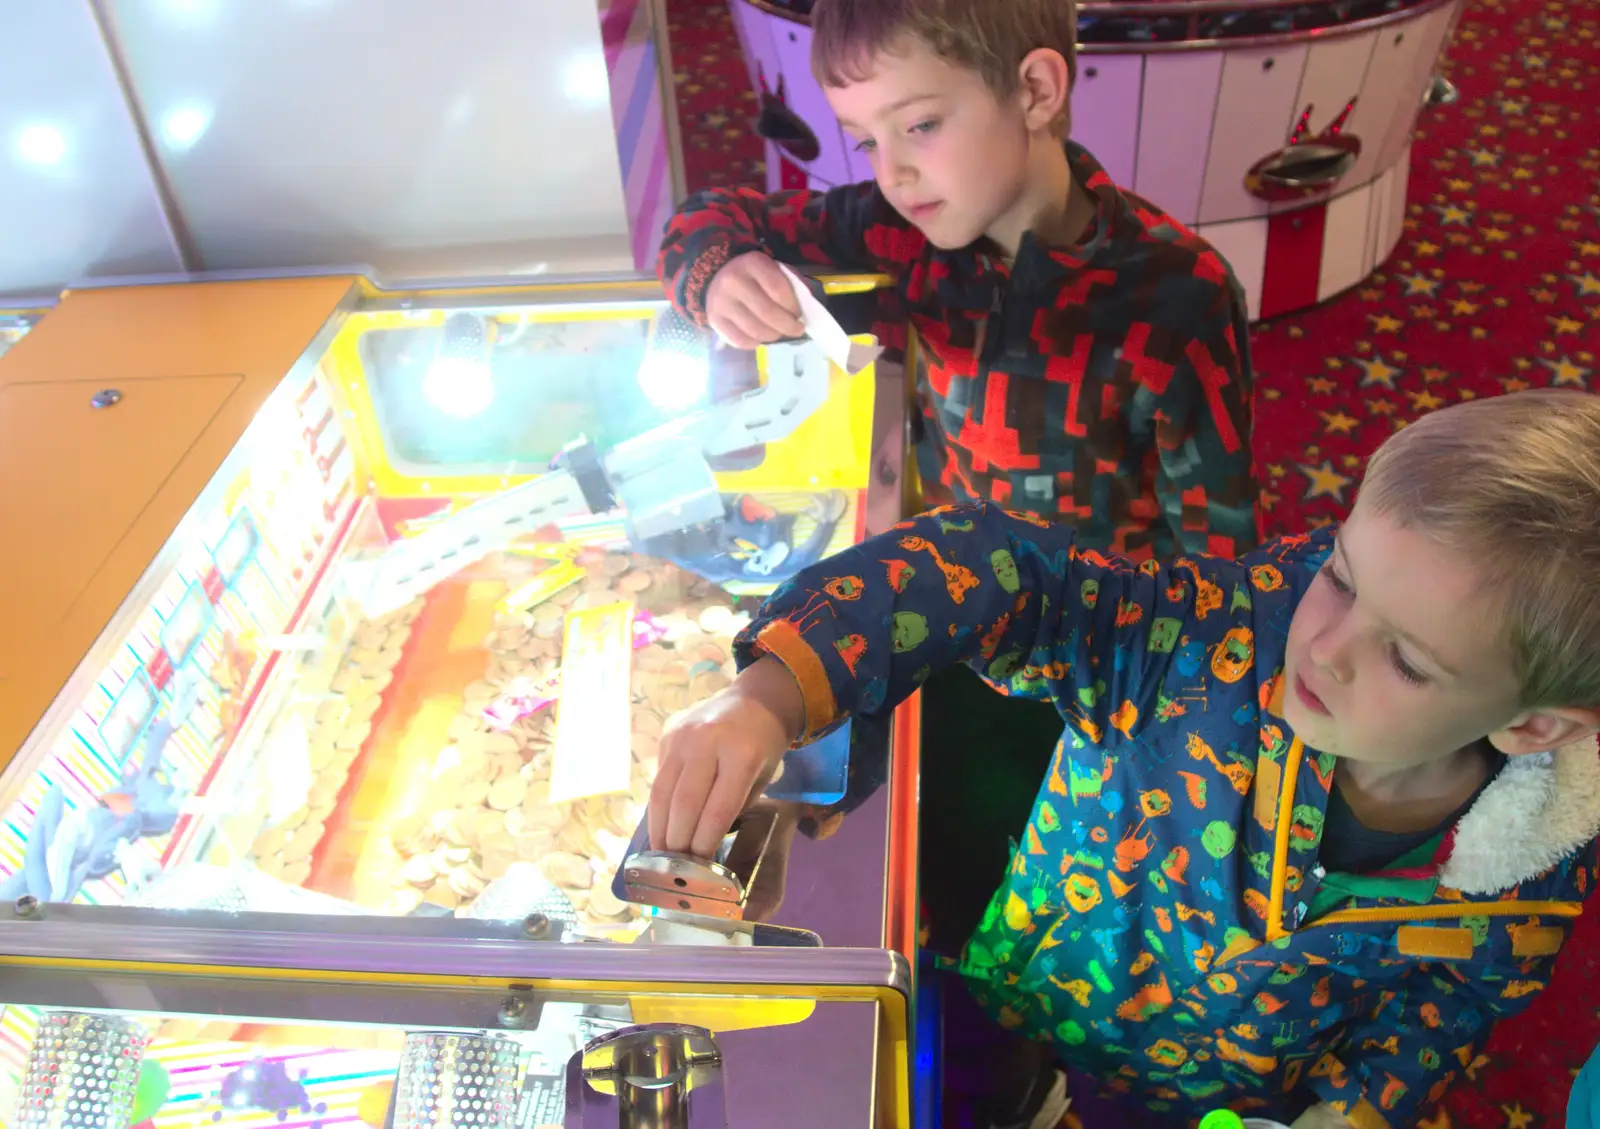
1431	912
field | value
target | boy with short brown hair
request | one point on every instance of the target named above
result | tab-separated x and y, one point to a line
1081	355
1319	817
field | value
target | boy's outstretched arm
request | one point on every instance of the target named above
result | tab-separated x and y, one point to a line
1394	1067
1011	596
852	228
1205	476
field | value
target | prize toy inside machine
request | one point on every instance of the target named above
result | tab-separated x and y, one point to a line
1279	129
411	653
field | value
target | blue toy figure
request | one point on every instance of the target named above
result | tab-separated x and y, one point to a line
70	846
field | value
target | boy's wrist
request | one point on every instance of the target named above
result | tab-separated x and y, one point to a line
771	685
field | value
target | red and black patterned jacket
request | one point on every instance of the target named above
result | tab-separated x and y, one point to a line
1106	385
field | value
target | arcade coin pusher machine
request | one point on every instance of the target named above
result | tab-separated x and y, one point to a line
1278	129
342	625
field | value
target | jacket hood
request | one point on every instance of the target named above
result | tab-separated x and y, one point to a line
1540	809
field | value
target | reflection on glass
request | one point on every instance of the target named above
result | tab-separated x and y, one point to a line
78	1070
476	393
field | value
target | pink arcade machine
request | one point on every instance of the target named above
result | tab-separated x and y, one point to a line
1279	129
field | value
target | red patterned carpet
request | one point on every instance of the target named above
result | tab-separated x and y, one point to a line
1495	287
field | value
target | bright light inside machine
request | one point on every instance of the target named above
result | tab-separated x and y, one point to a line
459	387
41	144
676	371
673	381
184	125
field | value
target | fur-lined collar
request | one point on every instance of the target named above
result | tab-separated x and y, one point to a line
1540	809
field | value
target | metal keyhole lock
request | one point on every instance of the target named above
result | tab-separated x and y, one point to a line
105	398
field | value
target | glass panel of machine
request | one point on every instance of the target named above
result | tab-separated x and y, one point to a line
412	652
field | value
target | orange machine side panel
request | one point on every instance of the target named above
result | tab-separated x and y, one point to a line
193	362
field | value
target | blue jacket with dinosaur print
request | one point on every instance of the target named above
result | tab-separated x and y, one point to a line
1164	922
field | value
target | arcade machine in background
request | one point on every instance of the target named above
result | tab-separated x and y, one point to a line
345	655
1280	131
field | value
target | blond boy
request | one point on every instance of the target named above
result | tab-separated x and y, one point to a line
1320	816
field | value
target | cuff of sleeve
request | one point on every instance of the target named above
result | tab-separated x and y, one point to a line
782	641
701	272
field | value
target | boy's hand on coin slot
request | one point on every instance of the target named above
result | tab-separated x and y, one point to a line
716	758
751	302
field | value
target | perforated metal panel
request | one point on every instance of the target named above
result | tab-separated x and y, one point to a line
82	1072
450	1081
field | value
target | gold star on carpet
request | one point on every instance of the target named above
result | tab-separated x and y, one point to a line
1565	371
1433	375
1338	423
1588	285
1321	385
1517	1117
1543	295
1277	470
1426	248
1564	324
1324	482
1471	287
1452	213
1514	384
1382	407
1496	234
1375	370
1385	323
1483	158
1424	400
1420	284
1462	308
1589	247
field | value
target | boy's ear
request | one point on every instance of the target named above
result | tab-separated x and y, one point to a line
1538	731
1045	82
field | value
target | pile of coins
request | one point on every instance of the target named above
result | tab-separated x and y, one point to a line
342	726
488	803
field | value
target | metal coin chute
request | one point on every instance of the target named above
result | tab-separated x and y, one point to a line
661	1076
711	888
